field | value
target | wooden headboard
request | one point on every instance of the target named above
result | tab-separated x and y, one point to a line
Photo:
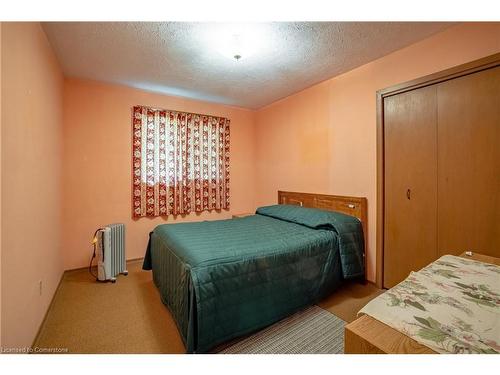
354	206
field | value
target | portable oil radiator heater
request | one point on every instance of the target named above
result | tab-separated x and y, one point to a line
109	248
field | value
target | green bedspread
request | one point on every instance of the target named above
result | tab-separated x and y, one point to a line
226	278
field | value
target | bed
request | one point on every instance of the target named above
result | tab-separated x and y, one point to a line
450	306
227	278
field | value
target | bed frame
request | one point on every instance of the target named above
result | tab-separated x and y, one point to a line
353	206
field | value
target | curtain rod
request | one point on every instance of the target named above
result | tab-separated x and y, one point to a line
171	110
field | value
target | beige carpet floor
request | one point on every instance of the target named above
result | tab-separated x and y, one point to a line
128	316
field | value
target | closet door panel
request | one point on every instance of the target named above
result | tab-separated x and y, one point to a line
410	192
469	164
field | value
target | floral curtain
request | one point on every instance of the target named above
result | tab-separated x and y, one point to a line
180	162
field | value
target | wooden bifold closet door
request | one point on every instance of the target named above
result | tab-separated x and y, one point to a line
410	182
441	177
469	164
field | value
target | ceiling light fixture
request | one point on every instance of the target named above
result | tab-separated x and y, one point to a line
237	41
236	46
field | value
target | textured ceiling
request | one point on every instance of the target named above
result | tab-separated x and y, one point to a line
183	59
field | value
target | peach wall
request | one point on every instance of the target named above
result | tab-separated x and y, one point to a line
323	139
32	89
97	164
0	184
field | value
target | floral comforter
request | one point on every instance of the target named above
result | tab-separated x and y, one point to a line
451	306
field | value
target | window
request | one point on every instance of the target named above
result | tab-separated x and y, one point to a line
180	162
